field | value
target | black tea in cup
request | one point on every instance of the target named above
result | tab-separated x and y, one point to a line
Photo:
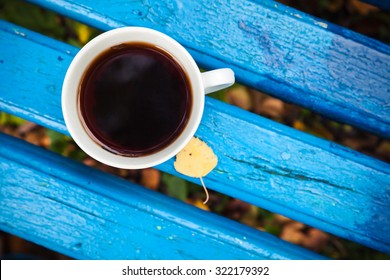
134	99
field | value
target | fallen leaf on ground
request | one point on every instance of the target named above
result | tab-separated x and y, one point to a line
360	7
315	239
281	219
292	233
199	203
271	107
150	178
240	97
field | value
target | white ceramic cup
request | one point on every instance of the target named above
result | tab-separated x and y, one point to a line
201	84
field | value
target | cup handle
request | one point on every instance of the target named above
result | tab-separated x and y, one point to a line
217	79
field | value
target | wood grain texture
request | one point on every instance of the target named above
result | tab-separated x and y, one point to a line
87	214
289	54
38	75
262	162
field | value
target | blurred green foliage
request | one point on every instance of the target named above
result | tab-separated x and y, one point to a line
176	187
58	141
32	17
46	22
7	119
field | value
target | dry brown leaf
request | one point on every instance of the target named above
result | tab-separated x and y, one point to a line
335	5
281	219
292	234
384	150
198	203
90	161
26	127
315	239
45	141
271	107
150	178
123	172
299	125
240	97
34	137
360	7
296	225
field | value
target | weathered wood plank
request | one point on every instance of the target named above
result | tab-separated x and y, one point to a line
271	47
265	163
30	75
87	214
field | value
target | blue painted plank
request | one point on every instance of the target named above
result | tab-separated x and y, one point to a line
284	52
44	79
384	4
265	163
87	214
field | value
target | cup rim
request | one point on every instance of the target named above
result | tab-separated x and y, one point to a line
75	73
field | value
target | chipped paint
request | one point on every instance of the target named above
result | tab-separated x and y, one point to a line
322	24
19	33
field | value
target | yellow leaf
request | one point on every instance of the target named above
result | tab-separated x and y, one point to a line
83	33
198	203
196	159
299	125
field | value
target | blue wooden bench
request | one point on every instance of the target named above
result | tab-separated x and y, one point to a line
87	214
